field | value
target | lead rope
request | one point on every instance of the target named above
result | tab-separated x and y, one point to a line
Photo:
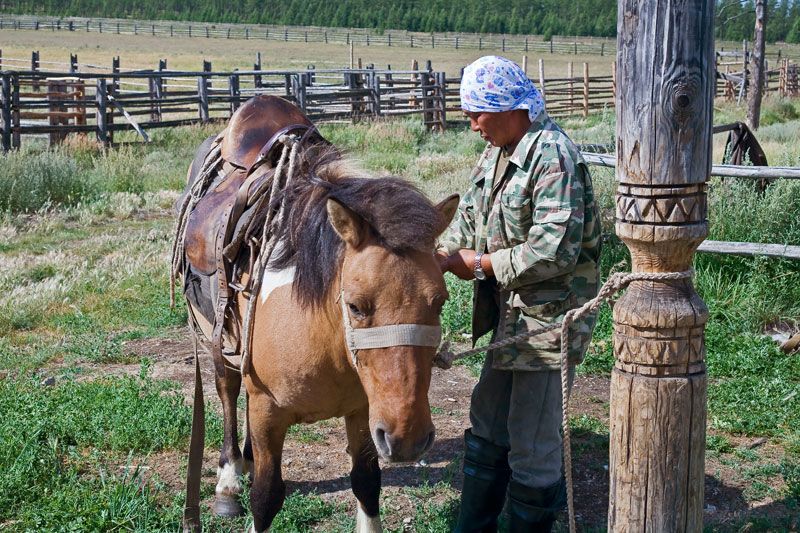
613	285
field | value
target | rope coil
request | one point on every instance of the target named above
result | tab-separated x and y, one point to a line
613	285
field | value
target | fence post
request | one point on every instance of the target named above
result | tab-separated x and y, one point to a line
35	68
390	84
375	85
115	79
570	87
427	113
233	89
551	44
585	90
202	98
525	64
153	89
257	66
541	80
5	99
602	49
101	109
1	57
73	62
56	95
441	83
15	118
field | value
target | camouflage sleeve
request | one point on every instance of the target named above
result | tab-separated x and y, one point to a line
556	223
461	232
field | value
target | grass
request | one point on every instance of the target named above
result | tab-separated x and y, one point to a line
83	270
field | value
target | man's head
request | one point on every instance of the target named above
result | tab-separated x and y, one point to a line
499	100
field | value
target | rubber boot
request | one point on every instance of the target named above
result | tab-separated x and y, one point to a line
486	475
533	510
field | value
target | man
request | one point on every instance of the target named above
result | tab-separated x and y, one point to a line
528	231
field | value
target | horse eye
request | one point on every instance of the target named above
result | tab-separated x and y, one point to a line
355	310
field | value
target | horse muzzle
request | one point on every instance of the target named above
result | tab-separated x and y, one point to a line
399	449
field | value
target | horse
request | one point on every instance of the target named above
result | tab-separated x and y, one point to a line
354	266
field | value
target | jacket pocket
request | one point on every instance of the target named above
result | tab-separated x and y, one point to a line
544	304
517	216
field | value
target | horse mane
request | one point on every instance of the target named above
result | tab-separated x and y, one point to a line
400	216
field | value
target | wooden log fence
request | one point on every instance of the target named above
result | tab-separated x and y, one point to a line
357	36
164	96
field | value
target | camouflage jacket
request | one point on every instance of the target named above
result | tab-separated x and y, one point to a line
541	225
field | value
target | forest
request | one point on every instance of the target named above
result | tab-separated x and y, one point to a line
735	18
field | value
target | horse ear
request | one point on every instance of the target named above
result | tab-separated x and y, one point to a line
347	224
447	208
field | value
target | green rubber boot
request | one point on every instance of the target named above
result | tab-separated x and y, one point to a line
534	510
486	475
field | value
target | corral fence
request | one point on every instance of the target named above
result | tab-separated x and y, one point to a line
734	76
54	98
311	34
535	44
36	101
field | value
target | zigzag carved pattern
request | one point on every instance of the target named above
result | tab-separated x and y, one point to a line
654	352
661	210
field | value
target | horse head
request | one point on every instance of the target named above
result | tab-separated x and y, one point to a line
393	298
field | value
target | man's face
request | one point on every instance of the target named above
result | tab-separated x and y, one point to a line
495	128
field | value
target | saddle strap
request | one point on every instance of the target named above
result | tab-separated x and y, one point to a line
191	510
267	148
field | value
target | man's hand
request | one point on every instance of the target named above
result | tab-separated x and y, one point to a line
462	263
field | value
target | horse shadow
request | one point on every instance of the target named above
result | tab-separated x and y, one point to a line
726	507
446	454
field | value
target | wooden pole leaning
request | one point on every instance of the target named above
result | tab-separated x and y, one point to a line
665	62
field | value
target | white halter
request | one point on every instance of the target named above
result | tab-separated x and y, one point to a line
386	336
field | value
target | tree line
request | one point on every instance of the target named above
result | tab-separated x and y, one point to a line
735	18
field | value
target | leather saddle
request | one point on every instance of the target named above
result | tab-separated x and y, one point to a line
250	150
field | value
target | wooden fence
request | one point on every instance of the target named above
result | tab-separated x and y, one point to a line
38	101
37	98
309	34
733	84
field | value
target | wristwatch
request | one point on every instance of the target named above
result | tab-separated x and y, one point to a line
477	269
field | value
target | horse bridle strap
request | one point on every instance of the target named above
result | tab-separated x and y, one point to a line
386	336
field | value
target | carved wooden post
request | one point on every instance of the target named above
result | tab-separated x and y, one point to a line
665	64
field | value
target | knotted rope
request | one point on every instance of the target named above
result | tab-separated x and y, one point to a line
614	284
268	240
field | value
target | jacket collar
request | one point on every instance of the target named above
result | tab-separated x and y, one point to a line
528	141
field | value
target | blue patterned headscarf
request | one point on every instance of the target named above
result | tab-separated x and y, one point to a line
494	83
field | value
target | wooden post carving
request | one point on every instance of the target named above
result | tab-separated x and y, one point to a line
658	387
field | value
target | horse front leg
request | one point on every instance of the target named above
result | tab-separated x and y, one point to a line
267	427
229	471
365	475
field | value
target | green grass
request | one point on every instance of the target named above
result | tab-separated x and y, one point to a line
83	269
63	450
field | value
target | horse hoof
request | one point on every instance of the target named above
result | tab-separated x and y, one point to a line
228	506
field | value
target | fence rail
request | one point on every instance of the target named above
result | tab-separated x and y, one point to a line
329	35
78	99
83	98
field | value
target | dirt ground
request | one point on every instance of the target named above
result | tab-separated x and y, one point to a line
320	465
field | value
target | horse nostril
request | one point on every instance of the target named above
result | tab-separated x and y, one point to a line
382	441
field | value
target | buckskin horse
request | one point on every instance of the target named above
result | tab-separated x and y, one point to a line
344	318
